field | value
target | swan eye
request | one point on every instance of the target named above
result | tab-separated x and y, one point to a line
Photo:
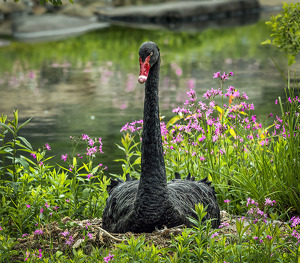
151	53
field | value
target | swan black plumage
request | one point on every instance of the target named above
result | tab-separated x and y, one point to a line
152	202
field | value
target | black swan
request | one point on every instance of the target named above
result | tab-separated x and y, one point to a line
151	202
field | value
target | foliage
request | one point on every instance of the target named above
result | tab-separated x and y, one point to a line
31	191
286	31
244	155
246	159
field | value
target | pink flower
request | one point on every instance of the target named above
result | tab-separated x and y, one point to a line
91	142
38	232
227	201
90	235
268	201
33	155
255	237
108	258
47	205
179	72
89	176
64	157
24	235
1	228
214	235
217	75
28	206
65	233
48	146
67	200
41	210
40	254
85	137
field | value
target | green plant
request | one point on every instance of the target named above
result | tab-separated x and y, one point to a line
286	31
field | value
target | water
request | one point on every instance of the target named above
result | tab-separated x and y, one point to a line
88	85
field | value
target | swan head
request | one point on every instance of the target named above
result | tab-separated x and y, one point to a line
149	55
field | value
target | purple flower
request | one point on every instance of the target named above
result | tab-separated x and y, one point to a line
214	235
217	75
91	142
70	241
48	146
65	233
47	205
227	201
85	137
67	200
33	155
268	201
38	232
223	225
90	235
24	235
91	151
64	157
295	221
255	237
1	228
108	258
28	206
41	210
89	176
40	254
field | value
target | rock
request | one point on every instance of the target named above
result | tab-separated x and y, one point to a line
12	7
184	15
76	10
53	26
38	10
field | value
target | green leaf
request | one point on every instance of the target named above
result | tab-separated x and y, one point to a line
6	127
23	124
27	143
173	120
268	41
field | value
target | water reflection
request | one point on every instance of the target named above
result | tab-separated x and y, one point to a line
99	96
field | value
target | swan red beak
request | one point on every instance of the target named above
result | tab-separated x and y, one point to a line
144	70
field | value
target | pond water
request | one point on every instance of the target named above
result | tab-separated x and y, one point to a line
88	84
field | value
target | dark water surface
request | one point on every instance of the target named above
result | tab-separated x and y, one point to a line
88	84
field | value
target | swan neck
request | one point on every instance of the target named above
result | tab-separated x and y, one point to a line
152	160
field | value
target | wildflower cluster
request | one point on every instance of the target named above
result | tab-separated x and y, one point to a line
68	238
33	256
295	224
255	212
93	146
108	258
133	126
